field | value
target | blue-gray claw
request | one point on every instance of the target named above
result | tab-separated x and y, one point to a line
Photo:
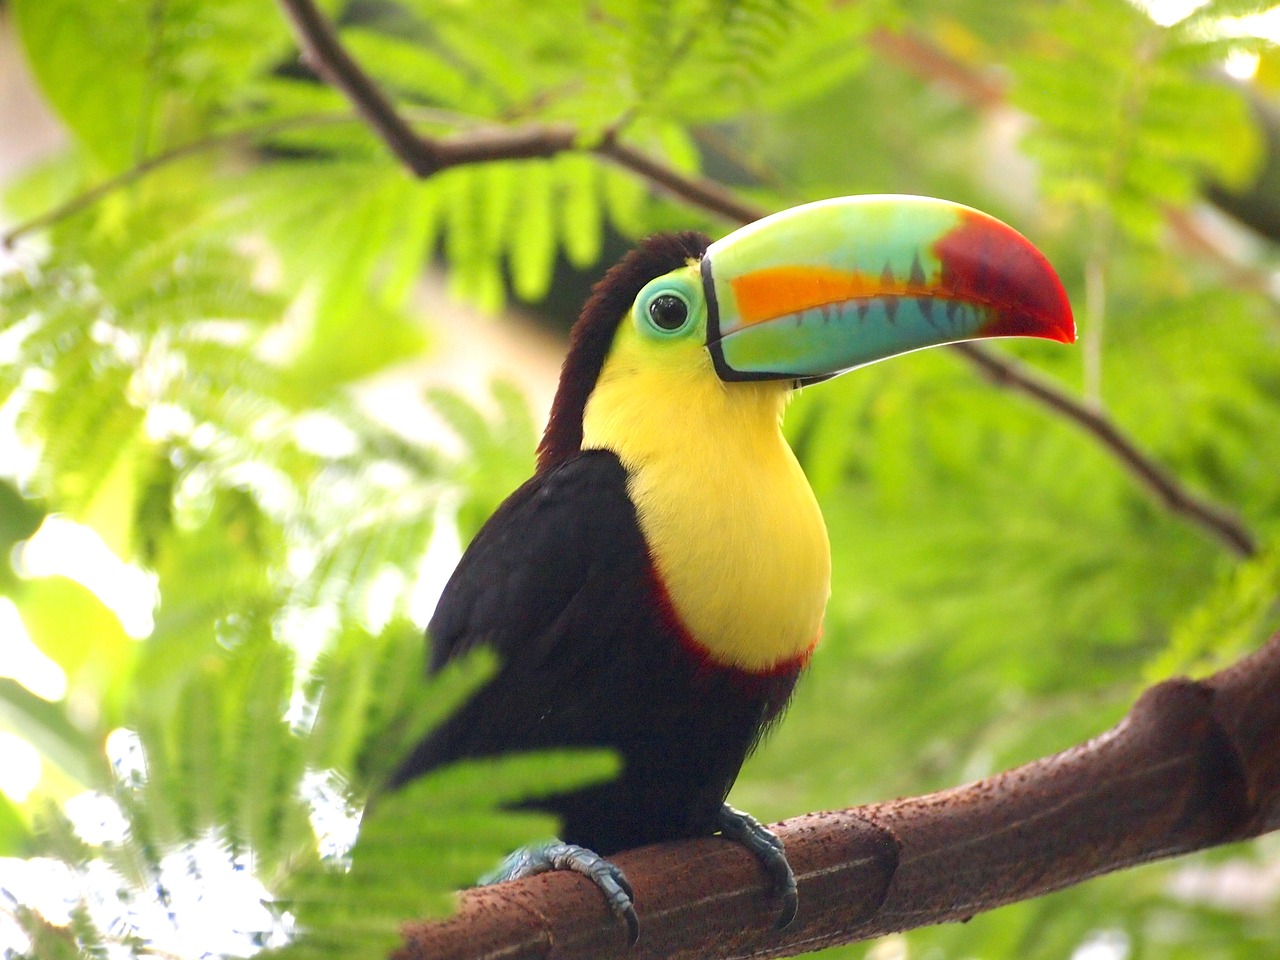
764	843
610	879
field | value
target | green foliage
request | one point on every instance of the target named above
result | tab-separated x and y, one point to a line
449	819
19	519
498	453
15	840
1227	623
184	358
46	726
367	706
1124	124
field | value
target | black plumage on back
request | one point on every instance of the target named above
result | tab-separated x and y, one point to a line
560	585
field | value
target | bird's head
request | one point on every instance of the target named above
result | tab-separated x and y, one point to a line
796	298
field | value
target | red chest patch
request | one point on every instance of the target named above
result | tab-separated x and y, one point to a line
784	671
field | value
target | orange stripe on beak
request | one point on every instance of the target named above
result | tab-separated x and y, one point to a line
778	291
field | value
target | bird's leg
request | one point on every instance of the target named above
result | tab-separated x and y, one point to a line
764	843
555	855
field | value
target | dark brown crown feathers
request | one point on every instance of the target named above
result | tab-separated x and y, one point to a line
592	336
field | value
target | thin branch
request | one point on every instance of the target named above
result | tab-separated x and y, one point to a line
324	53
700	192
981	90
485	144
1211	517
1200	242
216	141
427	155
1193	765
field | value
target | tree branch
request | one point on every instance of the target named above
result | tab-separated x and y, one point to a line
426	155
1193	765
980	90
88	198
1211	517
700	192
325	54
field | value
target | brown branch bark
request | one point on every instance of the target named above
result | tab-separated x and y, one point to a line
426	155
1193	765
978	89
325	54
697	191
1211	517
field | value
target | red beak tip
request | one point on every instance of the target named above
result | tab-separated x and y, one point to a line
1063	328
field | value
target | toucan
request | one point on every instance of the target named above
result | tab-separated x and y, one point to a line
658	586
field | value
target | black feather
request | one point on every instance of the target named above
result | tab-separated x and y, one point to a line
560	584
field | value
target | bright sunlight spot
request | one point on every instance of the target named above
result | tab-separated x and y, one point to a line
19	767
203	901
893	947
183	914
1242	65
17	459
444	550
336	824
24	661
384	592
1263	25
1168	12
124	750
1103	945
96	818
66	548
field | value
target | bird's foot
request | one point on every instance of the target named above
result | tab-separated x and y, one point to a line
612	882
764	843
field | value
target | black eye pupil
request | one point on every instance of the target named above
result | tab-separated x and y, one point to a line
669	312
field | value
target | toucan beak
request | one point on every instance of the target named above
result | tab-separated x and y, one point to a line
819	289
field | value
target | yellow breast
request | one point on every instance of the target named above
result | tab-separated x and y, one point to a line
731	523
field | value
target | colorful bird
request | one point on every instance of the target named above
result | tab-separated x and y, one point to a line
658	586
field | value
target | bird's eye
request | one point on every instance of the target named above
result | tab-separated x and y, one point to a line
669	307
668	311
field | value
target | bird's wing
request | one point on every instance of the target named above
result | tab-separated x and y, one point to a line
558	544
557	583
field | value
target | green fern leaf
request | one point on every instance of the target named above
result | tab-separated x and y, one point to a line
419	71
399	870
265	765
1127	124
579	208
